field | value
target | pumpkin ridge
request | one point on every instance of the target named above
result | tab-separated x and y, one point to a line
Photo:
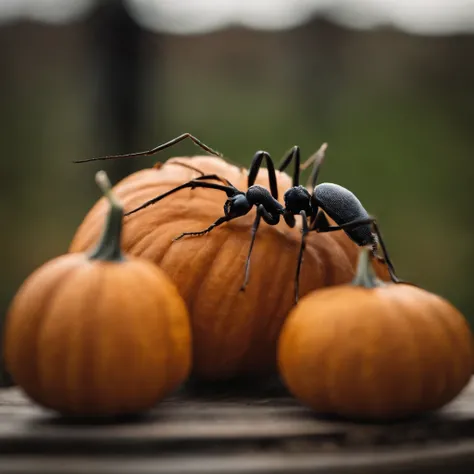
344	328
324	255
279	264
134	244
329	381
281	295
452	346
449	344
223	242
161	307
109	282
170	347
329	369
446	342
108	358
411	318
248	350
219	250
342	252
139	235
375	307
56	285
89	377
257	329
455	342
215	249
173	378
62	282
62	364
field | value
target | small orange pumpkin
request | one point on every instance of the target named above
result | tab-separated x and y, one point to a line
234	332
99	333
375	350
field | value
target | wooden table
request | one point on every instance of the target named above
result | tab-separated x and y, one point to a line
236	432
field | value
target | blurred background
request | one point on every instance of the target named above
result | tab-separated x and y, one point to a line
388	84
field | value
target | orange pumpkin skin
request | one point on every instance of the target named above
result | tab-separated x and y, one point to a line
234	332
98	333
381	353
94	337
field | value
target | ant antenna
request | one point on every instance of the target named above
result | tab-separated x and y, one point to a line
316	158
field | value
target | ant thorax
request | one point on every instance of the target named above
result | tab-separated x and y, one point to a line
297	199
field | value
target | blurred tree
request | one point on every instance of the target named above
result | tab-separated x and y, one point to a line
118	55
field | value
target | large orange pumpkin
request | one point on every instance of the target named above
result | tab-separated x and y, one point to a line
234	332
375	350
99	333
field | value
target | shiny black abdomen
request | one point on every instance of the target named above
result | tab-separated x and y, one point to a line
343	206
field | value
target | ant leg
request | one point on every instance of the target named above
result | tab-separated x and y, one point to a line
190	184
317	158
203	176
218	222
293	154
215	177
321	224
289	218
386	258
304	233
255	166
358	222
255	225
163	146
269	219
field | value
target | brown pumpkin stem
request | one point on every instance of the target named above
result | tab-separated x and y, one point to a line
365	274
109	248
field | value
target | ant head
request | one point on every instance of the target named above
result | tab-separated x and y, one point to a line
237	206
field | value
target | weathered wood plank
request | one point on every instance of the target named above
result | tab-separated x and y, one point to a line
227	434
440	460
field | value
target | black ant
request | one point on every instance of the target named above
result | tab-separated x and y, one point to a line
337	202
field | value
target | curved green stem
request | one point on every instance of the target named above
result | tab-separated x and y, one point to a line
109	247
365	274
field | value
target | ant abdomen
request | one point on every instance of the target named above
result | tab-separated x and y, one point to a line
343	206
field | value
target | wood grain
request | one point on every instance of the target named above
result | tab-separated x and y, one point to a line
230	433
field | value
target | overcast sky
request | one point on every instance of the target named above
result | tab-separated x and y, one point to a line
196	16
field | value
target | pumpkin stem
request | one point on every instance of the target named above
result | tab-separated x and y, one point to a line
109	248
365	274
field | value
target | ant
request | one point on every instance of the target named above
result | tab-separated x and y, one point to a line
337	202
